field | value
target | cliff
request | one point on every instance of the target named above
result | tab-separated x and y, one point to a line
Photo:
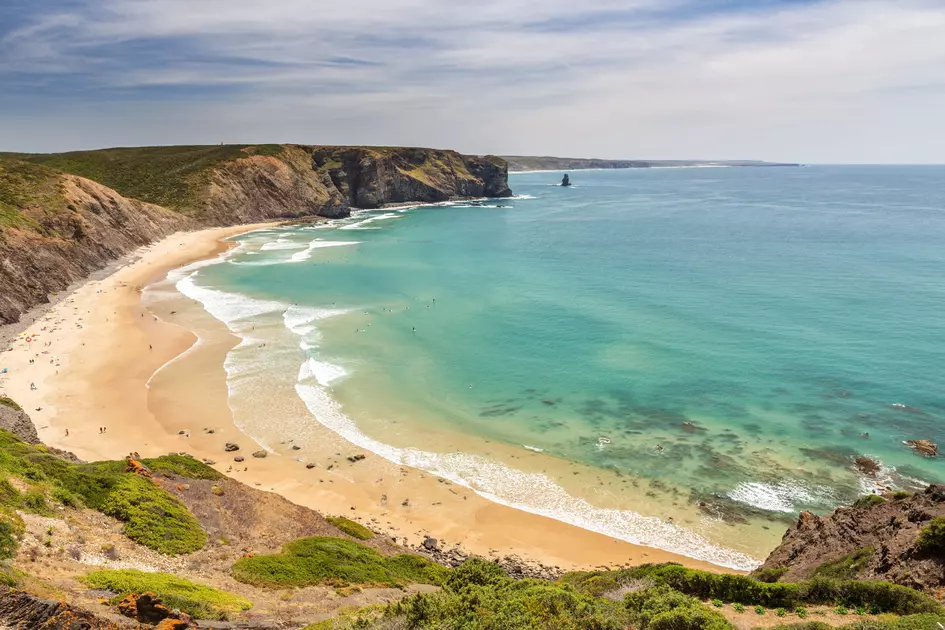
890	538
65	215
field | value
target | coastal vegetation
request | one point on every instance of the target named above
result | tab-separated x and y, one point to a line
9	403
197	600
356	530
152	516
932	537
166	176
326	560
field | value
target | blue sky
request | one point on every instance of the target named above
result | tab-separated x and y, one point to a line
800	80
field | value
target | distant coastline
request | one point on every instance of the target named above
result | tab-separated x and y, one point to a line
523	164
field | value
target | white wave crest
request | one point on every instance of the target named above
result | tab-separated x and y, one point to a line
224	306
531	492
322	371
300	319
318	244
780	497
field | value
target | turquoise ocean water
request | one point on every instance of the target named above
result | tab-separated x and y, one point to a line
737	336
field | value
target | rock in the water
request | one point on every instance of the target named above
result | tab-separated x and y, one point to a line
260	454
229	447
565	181
867	466
923	447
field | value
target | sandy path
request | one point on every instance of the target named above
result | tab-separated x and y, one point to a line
95	353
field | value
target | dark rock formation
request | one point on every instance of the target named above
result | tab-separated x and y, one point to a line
260	454
370	178
21	610
17	422
229	447
565	181
889	528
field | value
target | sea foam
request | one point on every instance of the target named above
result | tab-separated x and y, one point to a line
530	492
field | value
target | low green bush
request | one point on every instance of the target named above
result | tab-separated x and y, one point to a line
769	576
183	466
846	567
901	494
9	540
664	608
8	402
153	517
909	622
356	530
317	560
745	590
480	596
932	537
202	602
868	501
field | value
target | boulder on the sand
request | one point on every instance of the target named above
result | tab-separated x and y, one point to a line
867	466
296	447
923	447
260	454
430	544
238	458
310	465
229	447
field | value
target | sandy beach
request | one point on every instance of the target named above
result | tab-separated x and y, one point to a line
104	373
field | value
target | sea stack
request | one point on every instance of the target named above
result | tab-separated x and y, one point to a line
565	181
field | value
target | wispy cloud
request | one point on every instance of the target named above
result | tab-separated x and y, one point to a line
824	80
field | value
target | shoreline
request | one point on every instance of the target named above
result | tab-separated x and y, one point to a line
113	357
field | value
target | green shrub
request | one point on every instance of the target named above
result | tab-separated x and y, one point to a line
153	518
759	610
739	607
11	577
311	561
183	466
801	612
8	402
868	501
9	539
745	590
197	600
841	610
932	537
780	612
769	576
806	625
717	603
353	529
847	566
901	494
664	608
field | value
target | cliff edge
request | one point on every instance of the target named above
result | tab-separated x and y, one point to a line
65	215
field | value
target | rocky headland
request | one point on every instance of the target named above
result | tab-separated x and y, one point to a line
63	216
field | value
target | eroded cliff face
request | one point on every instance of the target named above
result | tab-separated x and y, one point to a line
370	178
57	228
872	540
96	226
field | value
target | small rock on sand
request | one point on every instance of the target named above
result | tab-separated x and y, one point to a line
260	454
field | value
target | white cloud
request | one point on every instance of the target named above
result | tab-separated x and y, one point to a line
837	80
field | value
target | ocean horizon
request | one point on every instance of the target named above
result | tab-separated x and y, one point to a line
682	358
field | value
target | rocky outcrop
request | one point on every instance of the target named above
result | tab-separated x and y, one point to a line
22	610
17	422
94	226
67	226
370	178
873	540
